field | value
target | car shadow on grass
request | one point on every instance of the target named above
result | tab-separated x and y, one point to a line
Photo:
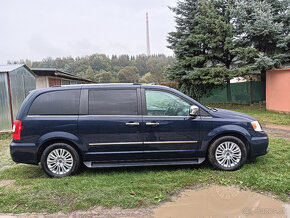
25	171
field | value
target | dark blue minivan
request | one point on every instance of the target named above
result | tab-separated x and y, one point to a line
116	125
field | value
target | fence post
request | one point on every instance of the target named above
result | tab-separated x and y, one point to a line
251	91
10	99
229	93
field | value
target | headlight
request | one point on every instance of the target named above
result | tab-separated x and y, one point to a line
256	126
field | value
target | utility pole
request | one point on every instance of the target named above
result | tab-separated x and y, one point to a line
147	35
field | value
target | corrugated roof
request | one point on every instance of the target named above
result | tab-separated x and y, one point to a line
9	67
43	69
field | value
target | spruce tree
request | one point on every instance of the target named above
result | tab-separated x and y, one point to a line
206	52
216	40
264	25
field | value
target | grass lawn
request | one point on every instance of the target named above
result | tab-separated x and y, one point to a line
33	191
5	159
257	111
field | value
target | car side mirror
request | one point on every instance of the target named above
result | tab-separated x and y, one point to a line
193	110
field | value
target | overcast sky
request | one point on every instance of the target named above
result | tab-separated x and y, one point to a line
35	29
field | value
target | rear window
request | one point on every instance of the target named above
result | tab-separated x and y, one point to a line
56	103
113	102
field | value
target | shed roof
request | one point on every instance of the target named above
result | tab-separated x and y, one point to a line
9	67
57	73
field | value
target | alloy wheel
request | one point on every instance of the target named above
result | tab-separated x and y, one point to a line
228	154
60	161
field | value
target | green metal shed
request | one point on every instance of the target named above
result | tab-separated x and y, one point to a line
16	80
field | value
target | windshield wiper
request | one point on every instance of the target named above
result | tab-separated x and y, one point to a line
212	109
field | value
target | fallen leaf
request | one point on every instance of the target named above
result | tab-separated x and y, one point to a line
71	202
16	205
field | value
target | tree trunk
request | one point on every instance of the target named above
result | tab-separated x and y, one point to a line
229	94
263	75
251	91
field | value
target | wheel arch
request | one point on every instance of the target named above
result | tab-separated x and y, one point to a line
235	134
43	146
227	130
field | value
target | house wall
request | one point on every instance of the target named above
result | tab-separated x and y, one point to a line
278	90
45	81
41	82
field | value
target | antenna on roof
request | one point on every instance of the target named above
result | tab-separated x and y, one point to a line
147	35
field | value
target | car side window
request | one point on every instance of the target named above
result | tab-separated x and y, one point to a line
113	102
159	103
56	103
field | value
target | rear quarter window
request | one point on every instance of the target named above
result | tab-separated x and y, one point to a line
56	103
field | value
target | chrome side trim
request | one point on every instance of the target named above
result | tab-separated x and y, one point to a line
52	115
117	143
170	142
141	143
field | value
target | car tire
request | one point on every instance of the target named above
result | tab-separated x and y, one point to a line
227	153
60	160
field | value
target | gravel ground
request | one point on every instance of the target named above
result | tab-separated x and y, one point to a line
277	130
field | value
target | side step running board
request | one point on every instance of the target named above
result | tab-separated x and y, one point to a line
92	164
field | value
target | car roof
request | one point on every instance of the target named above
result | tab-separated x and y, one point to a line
100	85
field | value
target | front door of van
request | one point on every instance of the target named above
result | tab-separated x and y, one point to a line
110	129
169	132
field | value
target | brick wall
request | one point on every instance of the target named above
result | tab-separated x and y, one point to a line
54	82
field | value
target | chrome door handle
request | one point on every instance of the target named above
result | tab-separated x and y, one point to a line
132	124
152	124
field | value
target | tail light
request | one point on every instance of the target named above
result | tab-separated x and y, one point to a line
17	127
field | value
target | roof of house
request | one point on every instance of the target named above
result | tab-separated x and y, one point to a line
57	73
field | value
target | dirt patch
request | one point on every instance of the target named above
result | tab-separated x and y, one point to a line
275	126
277	130
222	201
94	212
6	182
213	201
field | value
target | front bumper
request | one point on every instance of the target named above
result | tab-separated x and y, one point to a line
259	146
23	153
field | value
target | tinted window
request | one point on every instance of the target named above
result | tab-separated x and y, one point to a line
113	102
56	103
164	104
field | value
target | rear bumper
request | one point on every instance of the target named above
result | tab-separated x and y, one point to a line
24	153
259	146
